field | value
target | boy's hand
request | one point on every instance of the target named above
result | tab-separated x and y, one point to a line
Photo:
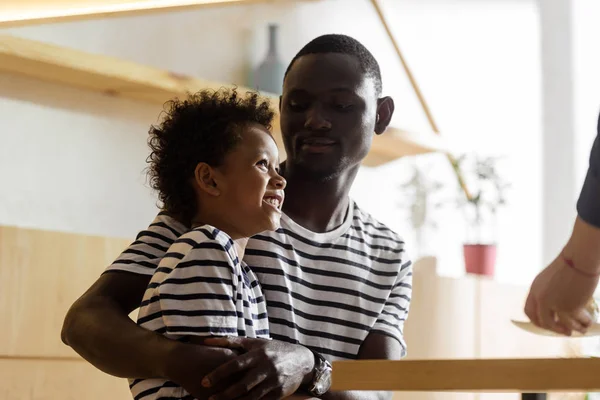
269	369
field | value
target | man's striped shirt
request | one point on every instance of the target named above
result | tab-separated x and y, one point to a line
200	288
326	291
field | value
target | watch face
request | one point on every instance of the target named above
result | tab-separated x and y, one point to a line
324	383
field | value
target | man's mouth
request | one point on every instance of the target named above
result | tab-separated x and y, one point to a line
317	144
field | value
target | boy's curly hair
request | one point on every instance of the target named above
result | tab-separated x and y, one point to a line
201	128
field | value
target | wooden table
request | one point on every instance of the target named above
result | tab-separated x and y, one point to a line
527	375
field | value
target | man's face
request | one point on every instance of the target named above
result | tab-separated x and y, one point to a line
328	111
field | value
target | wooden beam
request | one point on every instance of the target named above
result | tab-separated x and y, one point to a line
126	79
419	94
480	375
29	12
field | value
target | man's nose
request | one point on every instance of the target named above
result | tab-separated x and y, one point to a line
316	120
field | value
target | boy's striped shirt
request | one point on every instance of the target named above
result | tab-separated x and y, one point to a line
200	288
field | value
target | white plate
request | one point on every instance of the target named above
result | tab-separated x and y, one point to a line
528	326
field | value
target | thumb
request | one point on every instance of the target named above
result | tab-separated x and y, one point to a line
230	342
531	309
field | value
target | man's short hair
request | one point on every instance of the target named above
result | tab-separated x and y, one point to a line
342	44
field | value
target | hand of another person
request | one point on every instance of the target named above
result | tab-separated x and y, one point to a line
268	369
558	297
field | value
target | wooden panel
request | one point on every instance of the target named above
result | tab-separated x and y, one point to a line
58	380
488	375
441	321
116	77
41	275
29	12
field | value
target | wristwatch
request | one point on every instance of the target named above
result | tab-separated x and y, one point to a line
321	381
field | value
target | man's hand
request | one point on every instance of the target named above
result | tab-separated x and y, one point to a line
186	363
558	297
268	369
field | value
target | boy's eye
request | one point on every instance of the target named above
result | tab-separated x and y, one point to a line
263	163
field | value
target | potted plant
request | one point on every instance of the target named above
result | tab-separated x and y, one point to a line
421	190
481	207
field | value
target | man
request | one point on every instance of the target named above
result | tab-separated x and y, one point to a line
336	281
559	294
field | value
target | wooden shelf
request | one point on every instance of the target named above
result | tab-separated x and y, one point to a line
29	12
125	79
479	375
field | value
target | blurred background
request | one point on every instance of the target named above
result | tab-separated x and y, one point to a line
513	86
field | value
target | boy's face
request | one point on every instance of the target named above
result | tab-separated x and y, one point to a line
328	112
251	189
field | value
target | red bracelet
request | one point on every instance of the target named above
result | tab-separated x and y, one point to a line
571	264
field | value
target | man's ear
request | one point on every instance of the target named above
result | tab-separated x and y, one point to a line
385	110
204	176
280	99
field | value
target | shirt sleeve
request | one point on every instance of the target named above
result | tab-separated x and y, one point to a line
588	206
198	296
395	311
144	254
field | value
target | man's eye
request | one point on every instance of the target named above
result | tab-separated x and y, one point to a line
343	106
297	106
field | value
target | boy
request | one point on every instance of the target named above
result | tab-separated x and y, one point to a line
214	165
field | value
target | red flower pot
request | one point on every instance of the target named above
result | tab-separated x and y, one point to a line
480	259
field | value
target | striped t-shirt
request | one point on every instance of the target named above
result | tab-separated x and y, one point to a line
200	288
326	291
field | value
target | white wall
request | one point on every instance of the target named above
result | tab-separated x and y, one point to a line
586	56
477	64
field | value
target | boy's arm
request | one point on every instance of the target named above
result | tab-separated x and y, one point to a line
99	329
198	296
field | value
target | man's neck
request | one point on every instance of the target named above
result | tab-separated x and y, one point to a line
319	206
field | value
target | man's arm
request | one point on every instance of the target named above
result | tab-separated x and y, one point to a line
386	339
99	329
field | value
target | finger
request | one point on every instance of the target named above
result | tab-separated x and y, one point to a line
531	310
228	369
251	386
547	321
268	390
231	342
570	323
584	317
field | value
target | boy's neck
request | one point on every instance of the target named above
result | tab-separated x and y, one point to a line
238	242
240	247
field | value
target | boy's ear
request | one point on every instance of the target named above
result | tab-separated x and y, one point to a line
204	176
